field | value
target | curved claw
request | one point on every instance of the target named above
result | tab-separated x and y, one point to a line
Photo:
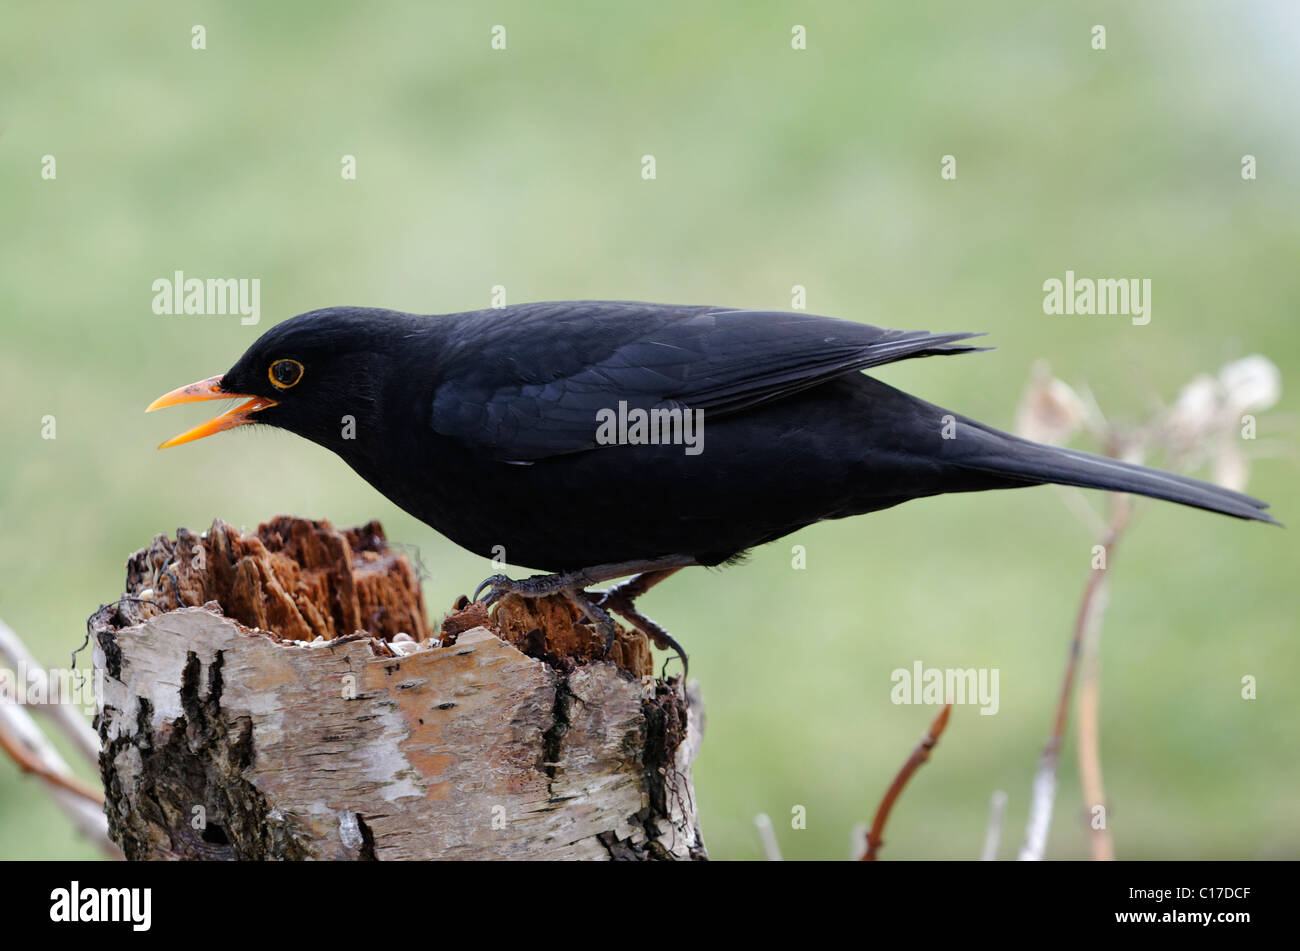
616	600
496	583
681	654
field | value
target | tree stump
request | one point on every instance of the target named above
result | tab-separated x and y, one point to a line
279	695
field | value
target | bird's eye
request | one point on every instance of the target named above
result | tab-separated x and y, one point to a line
285	373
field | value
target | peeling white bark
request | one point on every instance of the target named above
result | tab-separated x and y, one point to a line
225	742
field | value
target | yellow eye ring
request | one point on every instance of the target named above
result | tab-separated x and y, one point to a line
284	373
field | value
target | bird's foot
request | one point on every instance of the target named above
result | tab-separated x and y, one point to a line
570	584
621	600
538	586
648	572
600	618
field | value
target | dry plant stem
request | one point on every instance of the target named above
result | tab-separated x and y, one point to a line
875	838
73	724
1088	729
1044	789
1080	509
767	835
29	762
857	841
24	742
1090	780
23	739
993	833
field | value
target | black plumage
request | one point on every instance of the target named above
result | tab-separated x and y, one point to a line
484	426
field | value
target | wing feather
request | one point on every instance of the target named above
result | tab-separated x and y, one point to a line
543	372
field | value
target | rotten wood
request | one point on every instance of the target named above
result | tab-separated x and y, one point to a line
279	695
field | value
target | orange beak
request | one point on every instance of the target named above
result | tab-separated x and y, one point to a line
209	389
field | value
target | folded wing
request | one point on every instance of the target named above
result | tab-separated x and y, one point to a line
554	367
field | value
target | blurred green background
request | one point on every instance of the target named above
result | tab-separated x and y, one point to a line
775	167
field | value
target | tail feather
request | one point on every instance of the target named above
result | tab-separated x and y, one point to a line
1033	463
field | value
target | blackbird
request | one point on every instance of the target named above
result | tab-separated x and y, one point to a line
600	439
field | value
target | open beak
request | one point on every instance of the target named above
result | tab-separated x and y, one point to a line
209	389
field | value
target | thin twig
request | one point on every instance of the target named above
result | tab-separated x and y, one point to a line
1044	790
1088	729
993	832
875	838
1087	734
857	840
69	720
1080	509
27	745
29	762
766	835
22	732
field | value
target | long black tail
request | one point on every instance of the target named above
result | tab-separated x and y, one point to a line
1030	463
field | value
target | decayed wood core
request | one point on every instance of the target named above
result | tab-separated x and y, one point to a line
280	694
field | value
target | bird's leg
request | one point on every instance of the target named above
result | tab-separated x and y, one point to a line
633	588
541	586
537	586
661	638
621	598
598	616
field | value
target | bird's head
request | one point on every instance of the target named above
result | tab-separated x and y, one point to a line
317	375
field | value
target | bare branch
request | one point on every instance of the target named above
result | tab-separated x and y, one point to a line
23	739
1088	729
993	833
1044	789
30	761
766	834
875	838
72	723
